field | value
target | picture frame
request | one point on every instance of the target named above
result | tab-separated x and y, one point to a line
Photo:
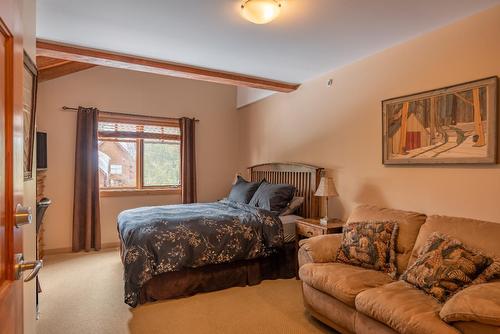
30	85
451	125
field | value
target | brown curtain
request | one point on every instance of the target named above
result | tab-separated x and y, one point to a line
86	224
188	160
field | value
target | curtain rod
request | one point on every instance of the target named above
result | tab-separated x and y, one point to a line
117	113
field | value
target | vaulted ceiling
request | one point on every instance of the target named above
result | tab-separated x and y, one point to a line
310	37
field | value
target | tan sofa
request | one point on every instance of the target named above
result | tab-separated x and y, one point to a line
355	300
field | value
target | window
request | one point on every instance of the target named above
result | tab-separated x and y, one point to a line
138	154
162	163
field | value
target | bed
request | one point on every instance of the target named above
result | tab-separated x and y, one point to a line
178	250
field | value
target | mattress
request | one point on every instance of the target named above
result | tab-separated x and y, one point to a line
288	222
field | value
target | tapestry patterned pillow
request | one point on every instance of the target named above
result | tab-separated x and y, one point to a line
445	266
370	245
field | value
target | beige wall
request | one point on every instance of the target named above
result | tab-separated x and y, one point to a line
339	128
134	93
29	231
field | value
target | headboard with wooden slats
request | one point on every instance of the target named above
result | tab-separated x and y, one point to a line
304	177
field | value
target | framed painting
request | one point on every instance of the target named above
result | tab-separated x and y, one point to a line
30	81
451	125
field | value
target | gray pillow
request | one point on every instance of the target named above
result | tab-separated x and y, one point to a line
273	197
242	191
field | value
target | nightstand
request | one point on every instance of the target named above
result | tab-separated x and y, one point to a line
310	227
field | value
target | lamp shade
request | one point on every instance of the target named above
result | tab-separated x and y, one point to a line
260	11
326	188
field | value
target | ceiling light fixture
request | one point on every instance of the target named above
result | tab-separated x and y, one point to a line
260	11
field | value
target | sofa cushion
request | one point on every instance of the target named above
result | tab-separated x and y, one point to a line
319	249
363	324
329	310
472	327
370	245
475	234
478	303
408	226
445	266
404	308
341	281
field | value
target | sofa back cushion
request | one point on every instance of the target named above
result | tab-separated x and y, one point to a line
408	223
472	233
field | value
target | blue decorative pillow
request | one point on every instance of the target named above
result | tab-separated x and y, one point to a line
273	197
243	190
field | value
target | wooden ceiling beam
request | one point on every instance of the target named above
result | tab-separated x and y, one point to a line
62	69
105	58
43	63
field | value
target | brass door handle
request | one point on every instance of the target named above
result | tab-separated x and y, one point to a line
22	266
23	215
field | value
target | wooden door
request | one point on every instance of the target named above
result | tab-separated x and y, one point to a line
11	163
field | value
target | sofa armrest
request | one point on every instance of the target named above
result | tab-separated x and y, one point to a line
319	249
477	303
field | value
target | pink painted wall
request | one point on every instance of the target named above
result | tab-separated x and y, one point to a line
135	93
339	127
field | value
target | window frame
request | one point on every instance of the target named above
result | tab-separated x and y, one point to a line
140	188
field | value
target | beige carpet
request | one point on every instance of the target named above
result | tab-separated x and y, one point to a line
83	293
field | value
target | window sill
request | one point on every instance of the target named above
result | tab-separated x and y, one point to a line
139	192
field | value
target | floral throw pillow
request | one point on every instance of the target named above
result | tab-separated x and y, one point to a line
445	266
370	245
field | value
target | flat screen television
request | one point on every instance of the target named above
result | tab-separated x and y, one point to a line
41	150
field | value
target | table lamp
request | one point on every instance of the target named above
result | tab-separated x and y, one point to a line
326	189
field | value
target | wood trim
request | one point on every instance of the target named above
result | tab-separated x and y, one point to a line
44	63
10	105
31	67
64	250
118	139
139	173
138	139
137	119
106	58
284	165
11	167
62	69
143	135
140	192
315	223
